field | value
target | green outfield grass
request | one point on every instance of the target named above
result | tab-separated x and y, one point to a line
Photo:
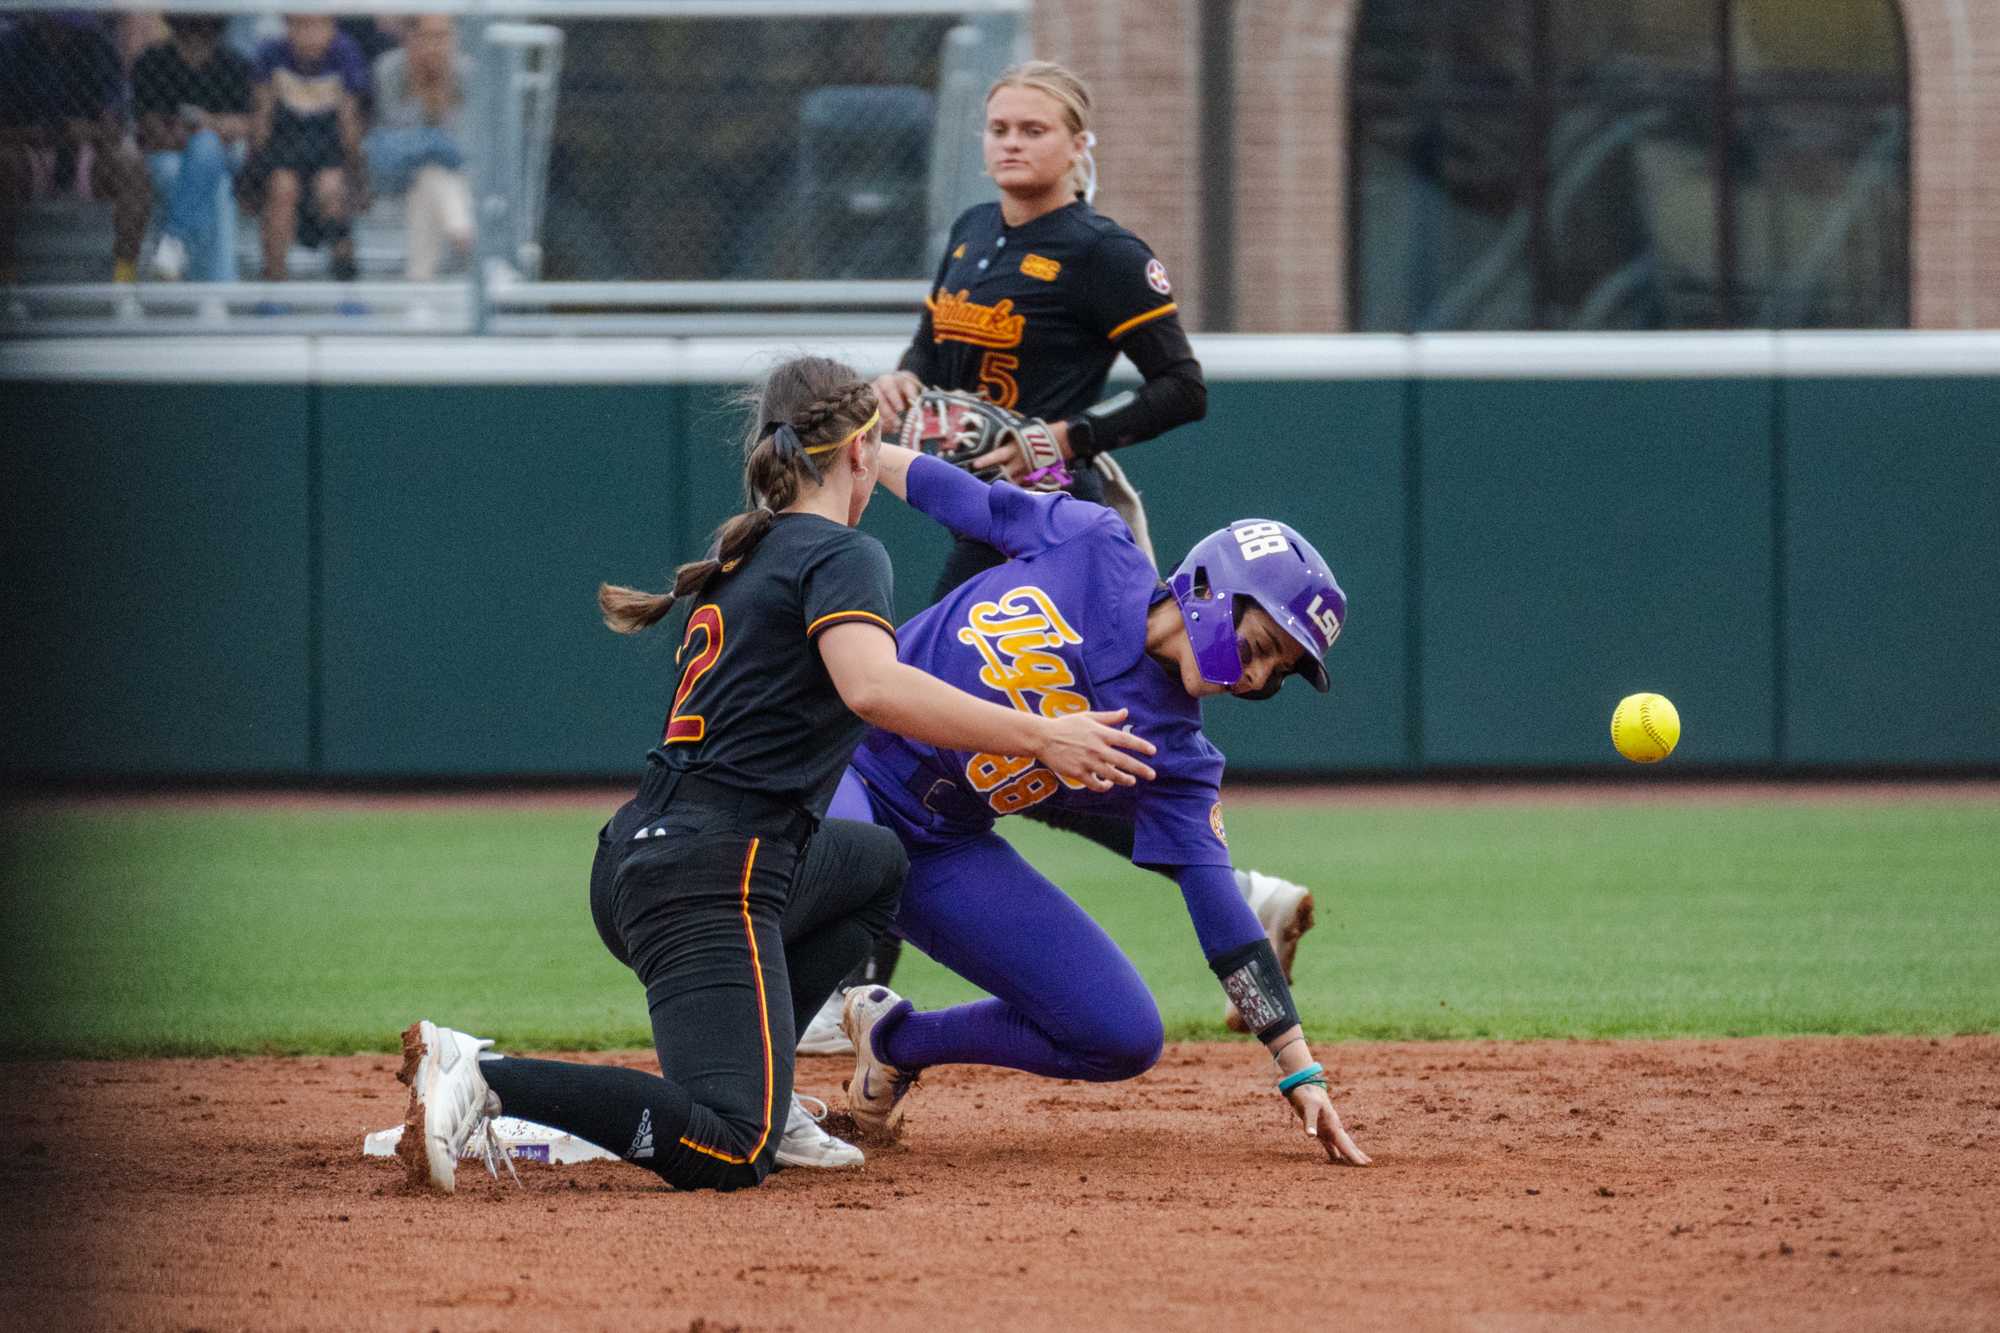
174	932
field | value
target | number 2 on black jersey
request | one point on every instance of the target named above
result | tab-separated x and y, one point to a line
707	621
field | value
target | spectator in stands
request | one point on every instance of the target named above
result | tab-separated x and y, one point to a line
376	35
192	96
306	141
414	148
134	34
62	132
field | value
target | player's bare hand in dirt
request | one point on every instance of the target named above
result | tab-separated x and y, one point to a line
1322	1122
1091	749
894	392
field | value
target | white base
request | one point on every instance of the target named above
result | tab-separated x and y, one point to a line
523	1141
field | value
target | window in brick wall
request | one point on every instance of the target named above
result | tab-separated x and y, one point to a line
1573	164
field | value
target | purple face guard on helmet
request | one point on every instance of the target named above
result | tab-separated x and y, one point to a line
1272	565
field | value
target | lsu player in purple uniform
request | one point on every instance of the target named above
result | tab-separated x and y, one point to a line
1077	619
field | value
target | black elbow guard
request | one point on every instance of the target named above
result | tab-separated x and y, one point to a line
1093	431
1256	986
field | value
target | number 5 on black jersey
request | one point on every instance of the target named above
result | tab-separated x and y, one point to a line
707	621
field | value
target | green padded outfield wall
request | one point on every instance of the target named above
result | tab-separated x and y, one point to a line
156	612
466	532
1586	539
1892	549
390	573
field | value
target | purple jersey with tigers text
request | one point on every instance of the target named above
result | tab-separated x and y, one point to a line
1059	628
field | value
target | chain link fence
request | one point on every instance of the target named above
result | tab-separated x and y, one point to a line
491	161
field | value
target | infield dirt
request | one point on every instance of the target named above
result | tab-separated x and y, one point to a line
1813	1183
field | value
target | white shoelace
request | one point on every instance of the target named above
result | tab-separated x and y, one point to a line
491	1150
806	1103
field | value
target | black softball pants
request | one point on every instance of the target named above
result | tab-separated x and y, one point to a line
715	914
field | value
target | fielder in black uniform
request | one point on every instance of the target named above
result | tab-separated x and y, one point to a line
1038	294
701	883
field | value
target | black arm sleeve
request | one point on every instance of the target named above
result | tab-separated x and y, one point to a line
1174	393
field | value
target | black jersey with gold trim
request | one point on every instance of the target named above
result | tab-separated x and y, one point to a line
755	706
1031	316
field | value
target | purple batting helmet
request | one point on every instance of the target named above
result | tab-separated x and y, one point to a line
1272	565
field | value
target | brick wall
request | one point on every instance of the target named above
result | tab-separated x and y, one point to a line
1139	58
1142	62
1291	164
1954	162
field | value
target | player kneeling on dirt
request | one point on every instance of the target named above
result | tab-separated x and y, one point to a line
701	885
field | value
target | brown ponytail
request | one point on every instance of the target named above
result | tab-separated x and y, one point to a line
823	402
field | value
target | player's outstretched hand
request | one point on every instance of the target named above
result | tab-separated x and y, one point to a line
1089	748
1322	1122
894	392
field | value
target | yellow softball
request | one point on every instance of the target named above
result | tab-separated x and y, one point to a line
1645	727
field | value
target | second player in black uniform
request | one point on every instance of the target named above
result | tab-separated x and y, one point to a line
1039	293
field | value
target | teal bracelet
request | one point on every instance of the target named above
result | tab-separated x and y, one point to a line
1306	1075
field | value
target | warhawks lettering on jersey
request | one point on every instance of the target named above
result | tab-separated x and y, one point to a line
1015	634
959	318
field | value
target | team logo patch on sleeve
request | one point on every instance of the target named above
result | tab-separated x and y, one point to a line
1215	823
1156	277
1040	266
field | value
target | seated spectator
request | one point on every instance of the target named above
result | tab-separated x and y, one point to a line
134	34
376	36
62	132
192	96
305	166
414	148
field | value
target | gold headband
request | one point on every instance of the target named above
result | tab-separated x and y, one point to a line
860	431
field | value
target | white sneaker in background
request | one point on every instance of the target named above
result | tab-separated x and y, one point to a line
807	1143
170	259
824	1035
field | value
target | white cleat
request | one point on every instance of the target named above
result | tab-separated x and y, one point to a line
875	1093
807	1142
449	1103
824	1035
1284	909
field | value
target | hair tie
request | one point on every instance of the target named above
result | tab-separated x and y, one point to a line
1309	1074
785	440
